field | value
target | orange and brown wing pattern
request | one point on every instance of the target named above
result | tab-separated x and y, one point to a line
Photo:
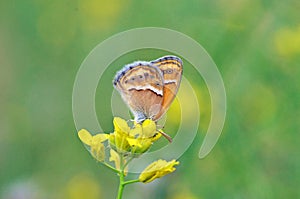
141	87
172	68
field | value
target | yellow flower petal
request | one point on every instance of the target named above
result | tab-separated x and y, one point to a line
121	142
144	145
114	157
100	137
121	133
121	125
156	136
97	148
137	130
149	128
85	137
98	151
112	141
139	145
157	169
134	142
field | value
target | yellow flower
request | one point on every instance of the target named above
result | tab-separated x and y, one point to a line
157	169
135	140
95	143
287	41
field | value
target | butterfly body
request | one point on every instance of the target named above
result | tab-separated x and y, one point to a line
149	88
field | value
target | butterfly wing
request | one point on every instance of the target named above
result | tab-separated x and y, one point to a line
141	87
171	67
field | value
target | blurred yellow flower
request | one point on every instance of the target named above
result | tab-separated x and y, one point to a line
183	195
135	140
95	143
82	186
287	41
157	169
96	16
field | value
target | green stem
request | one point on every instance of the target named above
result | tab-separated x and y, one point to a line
122	177
130	181
112	168
121	185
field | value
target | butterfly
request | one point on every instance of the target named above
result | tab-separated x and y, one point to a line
149	88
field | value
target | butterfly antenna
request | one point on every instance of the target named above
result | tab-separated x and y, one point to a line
166	136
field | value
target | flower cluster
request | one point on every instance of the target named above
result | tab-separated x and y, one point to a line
125	144
133	141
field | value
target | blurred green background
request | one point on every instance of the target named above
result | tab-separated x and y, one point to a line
255	44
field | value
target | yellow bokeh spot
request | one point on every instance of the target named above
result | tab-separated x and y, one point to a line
287	42
184	195
82	186
98	15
